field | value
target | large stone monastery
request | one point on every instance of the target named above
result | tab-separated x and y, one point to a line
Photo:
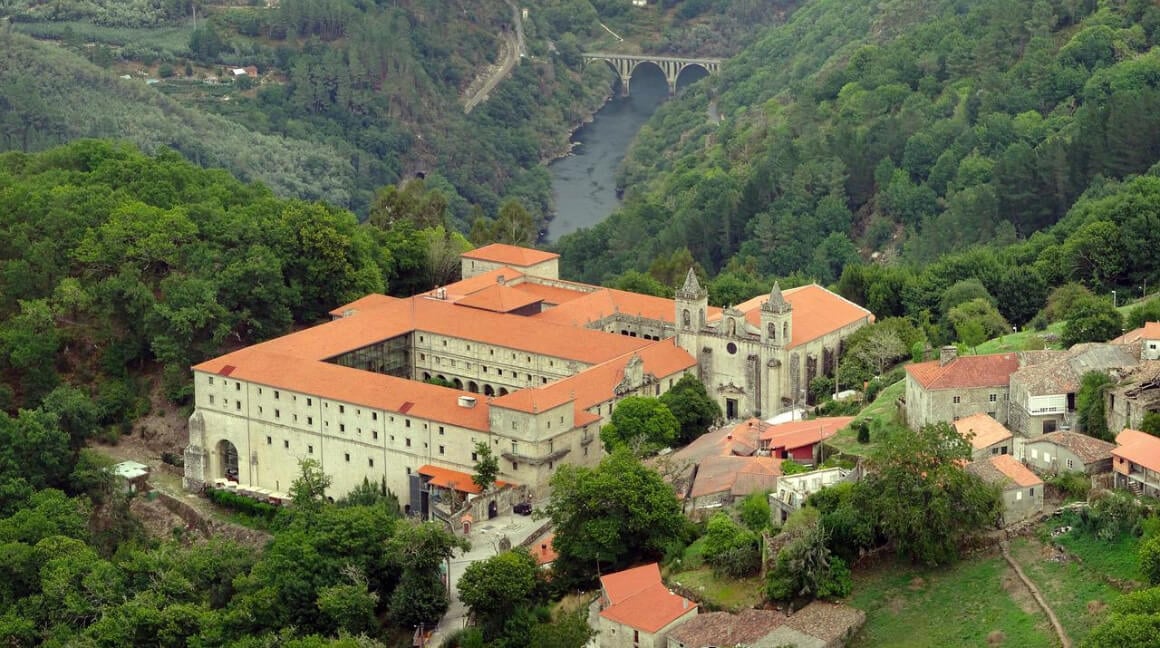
536	365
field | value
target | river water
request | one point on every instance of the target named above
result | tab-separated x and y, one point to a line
583	184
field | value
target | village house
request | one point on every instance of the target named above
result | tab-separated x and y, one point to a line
1136	462
1022	490
1043	389
1135	395
793	490
800	441
817	625
511	356
1147	336
637	610
953	387
720	467
986	435
1060	452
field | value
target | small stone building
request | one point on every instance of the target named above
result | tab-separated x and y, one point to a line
1022	494
954	387
987	436
637	610
1061	452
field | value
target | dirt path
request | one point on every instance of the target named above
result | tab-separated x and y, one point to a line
1063	638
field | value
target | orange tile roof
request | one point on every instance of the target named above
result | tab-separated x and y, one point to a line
737	475
552	295
799	434
606	302
373	300
1004	470
453	479
966	372
498	299
816	312
1087	449
347	385
639	599
1139	448
544	550
597	384
1149	331
986	430
465	287
510	255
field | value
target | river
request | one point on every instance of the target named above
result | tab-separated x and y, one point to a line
584	184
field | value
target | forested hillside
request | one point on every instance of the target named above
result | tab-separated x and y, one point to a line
903	128
349	96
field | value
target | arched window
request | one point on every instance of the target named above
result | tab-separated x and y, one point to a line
772	329
686	319
785	331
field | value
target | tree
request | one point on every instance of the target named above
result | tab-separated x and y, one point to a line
1151	423
971	333
925	502
1149	556
981	319
730	548
308	490
1090	416
495	588
754	511
805	567
486	467
692	406
611	516
1091	320
641	423
421	549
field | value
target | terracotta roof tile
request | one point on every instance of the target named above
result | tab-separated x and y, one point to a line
1149	331
352	386
816	312
453	479
1088	449
986	430
966	372
1139	448
1004	470
640	600
799	434
511	255
498	299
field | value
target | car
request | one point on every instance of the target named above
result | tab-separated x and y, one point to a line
523	508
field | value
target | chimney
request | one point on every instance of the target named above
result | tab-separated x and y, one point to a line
544	548
500	280
467	401
946	354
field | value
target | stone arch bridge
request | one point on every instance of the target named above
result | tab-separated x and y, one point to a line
672	66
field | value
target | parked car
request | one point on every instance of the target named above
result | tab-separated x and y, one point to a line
523	508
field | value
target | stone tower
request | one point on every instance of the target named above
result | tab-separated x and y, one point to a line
692	305
776	319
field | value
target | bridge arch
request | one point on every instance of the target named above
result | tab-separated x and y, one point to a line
671	66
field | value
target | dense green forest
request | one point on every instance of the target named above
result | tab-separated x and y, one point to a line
907	130
351	95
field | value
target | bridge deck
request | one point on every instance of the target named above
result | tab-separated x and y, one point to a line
646	57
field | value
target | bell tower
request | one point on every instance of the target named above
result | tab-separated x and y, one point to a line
692	304
776	319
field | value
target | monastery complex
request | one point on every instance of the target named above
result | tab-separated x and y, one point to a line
535	366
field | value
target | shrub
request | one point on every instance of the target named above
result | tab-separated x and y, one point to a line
1073	485
242	504
863	429
791	467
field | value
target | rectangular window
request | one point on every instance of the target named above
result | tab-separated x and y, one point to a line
237	386
440	430
342	409
375	435
1069	463
957	399
408	423
238	406
259	409
211	399
211	380
286	444
474	457
994	397
441	450
277	394
309	449
310	420
1031	492
309	402
408	442
342	427
269	441
1018	496
371	463
374	416
346	455
515	466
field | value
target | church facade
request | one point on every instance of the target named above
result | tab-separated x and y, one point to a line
402	390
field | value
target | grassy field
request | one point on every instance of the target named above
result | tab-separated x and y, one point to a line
1115	559
1074	590
977	602
882	413
727	594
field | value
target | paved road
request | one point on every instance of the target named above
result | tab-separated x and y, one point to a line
484	538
